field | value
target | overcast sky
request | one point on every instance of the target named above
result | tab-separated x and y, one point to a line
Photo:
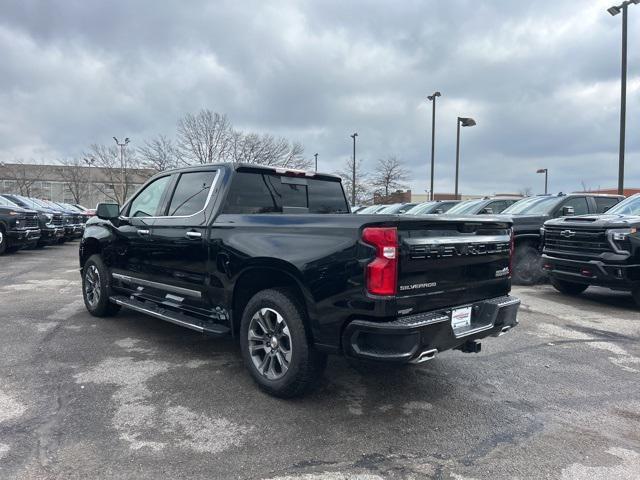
541	78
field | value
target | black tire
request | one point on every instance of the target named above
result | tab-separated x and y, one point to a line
3	240
306	364
568	288
96	288
636	296
527	266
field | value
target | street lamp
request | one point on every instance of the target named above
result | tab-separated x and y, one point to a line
615	10
353	178
122	147
465	122
546	177
432	98
316	155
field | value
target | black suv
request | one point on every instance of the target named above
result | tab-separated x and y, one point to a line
50	222
599	250
273	257
18	226
528	216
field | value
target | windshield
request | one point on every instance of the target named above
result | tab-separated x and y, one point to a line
465	207
370	209
7	203
533	206
420	208
32	203
629	206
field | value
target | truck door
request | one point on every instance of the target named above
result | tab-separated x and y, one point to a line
179	241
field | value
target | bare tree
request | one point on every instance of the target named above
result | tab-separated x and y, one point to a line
73	173
362	191
159	154
267	150
205	137
525	191
27	176
118	178
389	174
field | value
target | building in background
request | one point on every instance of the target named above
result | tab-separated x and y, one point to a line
71	184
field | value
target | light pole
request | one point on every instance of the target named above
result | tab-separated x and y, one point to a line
353	178
615	10
316	155
432	98
546	177
122	147
90	162
465	122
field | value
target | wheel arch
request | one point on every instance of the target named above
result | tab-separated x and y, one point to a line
264	275
88	246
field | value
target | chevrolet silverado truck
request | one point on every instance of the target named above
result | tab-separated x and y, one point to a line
528	216
18	227
601	250
274	258
50	222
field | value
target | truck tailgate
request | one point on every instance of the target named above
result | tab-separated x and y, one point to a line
453	262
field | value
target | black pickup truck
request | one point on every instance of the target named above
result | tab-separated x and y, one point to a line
528	216
18	227
275	258
601	250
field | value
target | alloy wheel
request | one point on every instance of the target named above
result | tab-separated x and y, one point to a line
270	343
92	285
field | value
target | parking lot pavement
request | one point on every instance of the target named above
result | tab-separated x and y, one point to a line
133	397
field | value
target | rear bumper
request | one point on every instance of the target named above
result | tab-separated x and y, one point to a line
593	272
415	338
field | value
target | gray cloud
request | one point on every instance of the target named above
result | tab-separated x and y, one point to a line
541	78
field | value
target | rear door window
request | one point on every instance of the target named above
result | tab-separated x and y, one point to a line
605	203
191	193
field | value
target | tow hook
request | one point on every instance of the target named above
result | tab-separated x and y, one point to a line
470	346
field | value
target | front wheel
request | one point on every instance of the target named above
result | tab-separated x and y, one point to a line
527	266
568	288
275	349
96	288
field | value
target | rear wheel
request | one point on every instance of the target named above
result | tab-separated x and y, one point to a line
636	296
568	288
275	349
527	266
96	288
3	241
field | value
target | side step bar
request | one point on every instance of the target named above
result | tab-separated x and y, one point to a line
181	319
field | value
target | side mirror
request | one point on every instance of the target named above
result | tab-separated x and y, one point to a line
108	211
487	211
568	211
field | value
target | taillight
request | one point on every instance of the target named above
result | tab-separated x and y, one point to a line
512	251
382	272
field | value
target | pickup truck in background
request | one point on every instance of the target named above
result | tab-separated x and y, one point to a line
601	250
18	227
274	258
528	216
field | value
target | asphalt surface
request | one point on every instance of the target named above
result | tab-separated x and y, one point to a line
134	397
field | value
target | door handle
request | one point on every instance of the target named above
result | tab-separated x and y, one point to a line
193	235
143	232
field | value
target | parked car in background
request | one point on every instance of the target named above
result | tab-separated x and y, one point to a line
528	216
370	210
356	208
395	209
432	207
601	250
89	211
270	257
73	224
484	206
18	226
51	222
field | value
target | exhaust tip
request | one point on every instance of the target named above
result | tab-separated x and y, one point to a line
425	356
